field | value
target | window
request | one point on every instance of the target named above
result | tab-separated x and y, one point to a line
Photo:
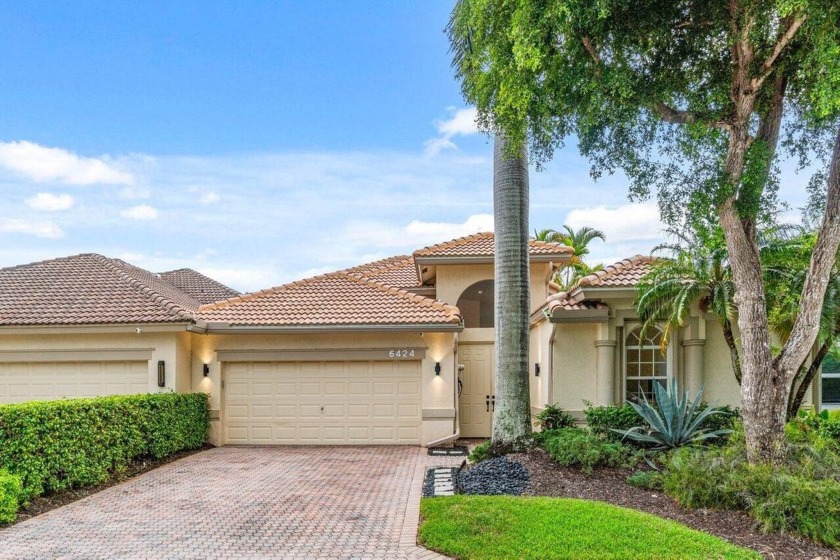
830	389
644	363
477	305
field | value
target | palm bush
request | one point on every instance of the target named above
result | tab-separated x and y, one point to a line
674	421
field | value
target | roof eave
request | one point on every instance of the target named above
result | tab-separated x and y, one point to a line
93	328
220	328
482	259
605	292
560	315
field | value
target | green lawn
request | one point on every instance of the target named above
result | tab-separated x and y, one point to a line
508	527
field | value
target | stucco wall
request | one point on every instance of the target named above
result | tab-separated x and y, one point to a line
719	380
574	365
164	346
452	280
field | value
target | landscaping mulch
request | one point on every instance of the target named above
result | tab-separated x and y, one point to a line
609	485
494	477
48	502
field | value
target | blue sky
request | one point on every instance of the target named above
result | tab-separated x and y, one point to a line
258	142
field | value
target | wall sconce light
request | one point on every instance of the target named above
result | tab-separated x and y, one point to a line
161	373
437	368
536	370
206	370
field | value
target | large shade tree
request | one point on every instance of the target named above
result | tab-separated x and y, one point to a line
689	98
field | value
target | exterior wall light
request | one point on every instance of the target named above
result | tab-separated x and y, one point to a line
206	370
161	373
536	370
437	368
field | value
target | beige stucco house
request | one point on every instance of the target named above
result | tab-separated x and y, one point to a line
398	351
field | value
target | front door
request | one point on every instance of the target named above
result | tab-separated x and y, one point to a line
477	398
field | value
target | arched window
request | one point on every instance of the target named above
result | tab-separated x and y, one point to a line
644	363
477	305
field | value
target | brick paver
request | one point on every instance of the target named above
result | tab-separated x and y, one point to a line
245	502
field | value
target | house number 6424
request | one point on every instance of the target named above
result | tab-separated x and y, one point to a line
396	353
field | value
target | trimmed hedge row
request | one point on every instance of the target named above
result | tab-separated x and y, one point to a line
54	445
11	491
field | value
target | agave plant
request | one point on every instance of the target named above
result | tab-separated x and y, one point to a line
674	421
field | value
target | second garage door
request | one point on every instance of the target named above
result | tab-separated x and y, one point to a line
30	381
370	402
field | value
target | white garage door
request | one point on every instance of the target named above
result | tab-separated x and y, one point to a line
322	402
38	381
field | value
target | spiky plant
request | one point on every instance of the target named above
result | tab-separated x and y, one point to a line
674	421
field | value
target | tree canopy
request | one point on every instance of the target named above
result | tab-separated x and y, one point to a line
646	87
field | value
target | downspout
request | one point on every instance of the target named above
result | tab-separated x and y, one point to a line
457	434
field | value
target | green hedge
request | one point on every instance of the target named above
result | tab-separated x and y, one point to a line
11	491
54	445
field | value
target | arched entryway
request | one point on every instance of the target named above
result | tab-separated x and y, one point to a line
477	355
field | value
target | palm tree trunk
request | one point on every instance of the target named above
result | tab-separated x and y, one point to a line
734	356
512	413
803	379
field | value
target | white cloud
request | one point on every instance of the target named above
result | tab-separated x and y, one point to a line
47	230
436	232
50	202
142	212
630	229
460	123
631	222
43	164
209	198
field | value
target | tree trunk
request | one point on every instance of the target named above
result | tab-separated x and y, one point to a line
806	327
803	380
512	413
734	356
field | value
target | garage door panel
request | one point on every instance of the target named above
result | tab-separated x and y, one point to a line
25	381
324	402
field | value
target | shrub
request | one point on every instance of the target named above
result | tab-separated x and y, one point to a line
800	495
11	491
602	420
674	421
574	446
479	452
54	445
826	424
552	417
649	480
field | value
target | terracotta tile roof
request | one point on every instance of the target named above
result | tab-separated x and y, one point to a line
339	298
483	245
623	274
88	289
399	271
562	301
201	287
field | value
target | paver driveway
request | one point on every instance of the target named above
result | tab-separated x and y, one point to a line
245	502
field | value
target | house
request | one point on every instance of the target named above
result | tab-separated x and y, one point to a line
398	351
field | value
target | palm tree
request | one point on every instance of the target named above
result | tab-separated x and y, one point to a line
697	273
579	240
567	275
512	413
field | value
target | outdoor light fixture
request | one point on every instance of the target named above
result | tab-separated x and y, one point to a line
161	373
437	368
536	370
206	370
